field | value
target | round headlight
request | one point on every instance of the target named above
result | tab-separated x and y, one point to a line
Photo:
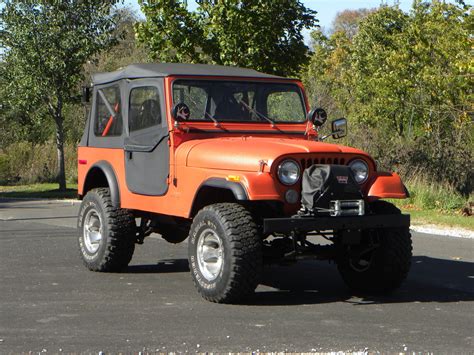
360	170
288	172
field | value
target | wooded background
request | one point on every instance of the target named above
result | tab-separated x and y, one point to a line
403	80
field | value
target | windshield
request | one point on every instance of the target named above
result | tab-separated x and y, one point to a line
230	101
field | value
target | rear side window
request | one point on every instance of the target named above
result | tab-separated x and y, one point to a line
145	110
108	121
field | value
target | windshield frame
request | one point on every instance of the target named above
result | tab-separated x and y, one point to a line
244	80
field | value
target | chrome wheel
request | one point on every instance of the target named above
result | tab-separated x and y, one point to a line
210	254
92	231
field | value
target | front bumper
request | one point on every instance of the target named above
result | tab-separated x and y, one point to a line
323	223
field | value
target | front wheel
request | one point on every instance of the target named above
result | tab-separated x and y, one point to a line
225	253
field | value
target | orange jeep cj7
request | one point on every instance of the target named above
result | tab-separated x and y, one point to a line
231	160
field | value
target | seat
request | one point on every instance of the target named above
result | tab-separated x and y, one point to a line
149	114
229	109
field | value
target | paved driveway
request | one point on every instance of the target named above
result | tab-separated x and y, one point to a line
48	300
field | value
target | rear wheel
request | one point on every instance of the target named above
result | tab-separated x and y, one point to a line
380	263
106	234
225	253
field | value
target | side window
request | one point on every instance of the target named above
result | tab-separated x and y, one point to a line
108	119
144	110
285	106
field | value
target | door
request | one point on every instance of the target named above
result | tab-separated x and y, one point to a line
146	144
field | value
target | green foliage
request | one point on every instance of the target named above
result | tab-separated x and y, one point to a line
258	34
125	51
435	203
45	45
406	79
440	218
42	190
432	196
27	163
328	72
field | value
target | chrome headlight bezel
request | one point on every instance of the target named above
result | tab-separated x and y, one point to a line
360	170
288	172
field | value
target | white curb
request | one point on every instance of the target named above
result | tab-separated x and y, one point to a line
444	231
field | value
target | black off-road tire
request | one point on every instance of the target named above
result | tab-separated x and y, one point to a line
242	260
389	263
117	225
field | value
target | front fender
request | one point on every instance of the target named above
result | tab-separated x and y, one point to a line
386	185
237	189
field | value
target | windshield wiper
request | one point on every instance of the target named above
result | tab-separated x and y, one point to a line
256	113
216	122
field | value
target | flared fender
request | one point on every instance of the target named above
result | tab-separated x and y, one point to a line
386	185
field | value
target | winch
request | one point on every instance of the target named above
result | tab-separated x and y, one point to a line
330	190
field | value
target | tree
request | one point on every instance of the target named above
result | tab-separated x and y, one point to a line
410	70
408	78
347	21
45	45
127	50
328	72
259	34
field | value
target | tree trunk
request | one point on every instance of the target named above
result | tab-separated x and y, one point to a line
58	117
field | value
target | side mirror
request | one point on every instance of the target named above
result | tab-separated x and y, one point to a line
181	112
339	128
86	94
317	116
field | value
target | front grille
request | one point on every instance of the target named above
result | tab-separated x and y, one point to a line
307	162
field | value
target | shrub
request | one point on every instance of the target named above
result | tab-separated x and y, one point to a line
27	163
426	195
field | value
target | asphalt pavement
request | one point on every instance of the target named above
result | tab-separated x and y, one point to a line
49	302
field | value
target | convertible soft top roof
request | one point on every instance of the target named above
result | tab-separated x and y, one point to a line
157	70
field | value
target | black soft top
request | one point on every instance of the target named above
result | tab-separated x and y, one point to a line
157	70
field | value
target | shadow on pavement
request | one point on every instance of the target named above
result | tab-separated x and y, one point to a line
161	267
430	280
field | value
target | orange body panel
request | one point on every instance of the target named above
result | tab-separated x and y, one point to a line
200	150
245	152
386	185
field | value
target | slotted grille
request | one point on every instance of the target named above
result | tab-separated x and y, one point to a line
307	162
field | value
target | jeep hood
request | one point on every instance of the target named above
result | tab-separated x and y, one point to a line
245	153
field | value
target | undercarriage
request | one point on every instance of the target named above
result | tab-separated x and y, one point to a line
358	234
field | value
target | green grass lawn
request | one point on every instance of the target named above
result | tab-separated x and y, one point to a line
38	191
441	219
